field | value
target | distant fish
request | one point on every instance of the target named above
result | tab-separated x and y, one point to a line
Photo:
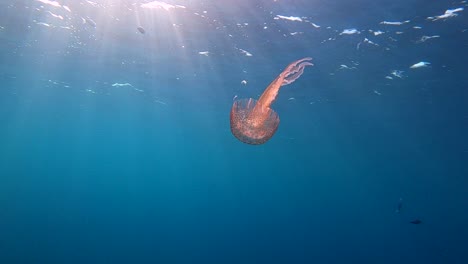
416	222
142	30
399	206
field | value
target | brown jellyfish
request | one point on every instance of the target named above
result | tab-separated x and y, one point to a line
254	122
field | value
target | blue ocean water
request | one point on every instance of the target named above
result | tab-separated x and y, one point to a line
115	142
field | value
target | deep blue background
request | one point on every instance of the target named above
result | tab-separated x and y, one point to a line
91	173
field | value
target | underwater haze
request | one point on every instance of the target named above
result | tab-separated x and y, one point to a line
116	143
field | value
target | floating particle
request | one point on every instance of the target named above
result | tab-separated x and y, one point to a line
349	31
448	13
346	67
121	84
398	74
160	5
141	30
424	38
52	3
159	101
290	18
90	22
420	65
246	53
394	23
43	24
376	33
399	206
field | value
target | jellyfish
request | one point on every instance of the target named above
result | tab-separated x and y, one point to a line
254	122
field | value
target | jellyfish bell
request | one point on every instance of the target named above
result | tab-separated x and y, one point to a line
250	129
254	122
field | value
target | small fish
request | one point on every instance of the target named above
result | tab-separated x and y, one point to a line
416	222
141	30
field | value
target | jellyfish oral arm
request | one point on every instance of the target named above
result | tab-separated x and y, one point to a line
295	70
270	93
288	76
